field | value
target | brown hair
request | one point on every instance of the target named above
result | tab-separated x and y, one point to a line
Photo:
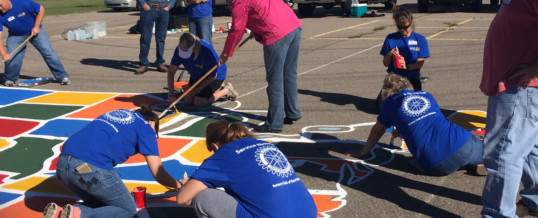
223	132
400	14
149	115
394	83
187	39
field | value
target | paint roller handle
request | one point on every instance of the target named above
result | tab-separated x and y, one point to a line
18	47
224	57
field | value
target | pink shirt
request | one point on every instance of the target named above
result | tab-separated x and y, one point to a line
269	20
512	40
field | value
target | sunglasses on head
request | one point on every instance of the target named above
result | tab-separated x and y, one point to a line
403	27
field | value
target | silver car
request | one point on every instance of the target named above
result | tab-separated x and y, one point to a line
119	5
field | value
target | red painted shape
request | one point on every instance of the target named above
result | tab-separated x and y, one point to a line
2	177
10	128
331	165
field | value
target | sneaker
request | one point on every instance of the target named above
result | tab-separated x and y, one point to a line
52	210
9	83
480	170
288	120
70	211
65	81
265	128
232	94
522	210
141	70
162	68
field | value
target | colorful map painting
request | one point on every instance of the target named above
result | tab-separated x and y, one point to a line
35	123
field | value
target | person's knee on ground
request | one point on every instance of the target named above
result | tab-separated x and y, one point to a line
214	203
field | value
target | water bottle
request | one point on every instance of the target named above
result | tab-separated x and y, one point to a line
77	34
95	34
83	33
70	35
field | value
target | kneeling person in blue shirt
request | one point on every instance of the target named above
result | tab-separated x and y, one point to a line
257	178
23	19
198	57
439	146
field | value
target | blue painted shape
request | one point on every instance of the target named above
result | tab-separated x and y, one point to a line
141	172
61	127
11	95
7	197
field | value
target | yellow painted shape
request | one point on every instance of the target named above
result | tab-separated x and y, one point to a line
3	143
150	188
167	119
469	119
40	184
197	153
71	98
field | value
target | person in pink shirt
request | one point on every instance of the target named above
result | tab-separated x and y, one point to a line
510	80
274	24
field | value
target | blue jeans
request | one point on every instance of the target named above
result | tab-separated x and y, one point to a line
102	191
201	26
281	75
511	152
42	43
468	153
160	17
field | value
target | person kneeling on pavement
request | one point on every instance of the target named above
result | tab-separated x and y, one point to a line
258	180
439	146
198	57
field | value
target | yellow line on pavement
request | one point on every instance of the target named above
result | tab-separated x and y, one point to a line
449	28
351	27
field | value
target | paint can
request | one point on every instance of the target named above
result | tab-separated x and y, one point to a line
139	195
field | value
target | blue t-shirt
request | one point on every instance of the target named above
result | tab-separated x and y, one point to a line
411	48
430	137
112	138
259	176
21	18
206	60
204	9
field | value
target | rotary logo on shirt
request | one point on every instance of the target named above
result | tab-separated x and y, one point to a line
273	161
414	48
21	14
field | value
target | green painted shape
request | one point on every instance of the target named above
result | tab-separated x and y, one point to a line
27	156
198	129
36	111
381	156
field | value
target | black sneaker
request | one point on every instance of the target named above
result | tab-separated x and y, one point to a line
264	128
522	210
288	120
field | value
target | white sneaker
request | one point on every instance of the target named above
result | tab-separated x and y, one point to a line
65	81
232	94
9	83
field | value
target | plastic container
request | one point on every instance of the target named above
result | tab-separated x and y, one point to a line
70	35
78	34
357	10
100	26
95	34
397	64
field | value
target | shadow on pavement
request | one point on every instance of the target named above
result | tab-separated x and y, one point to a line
125	65
362	104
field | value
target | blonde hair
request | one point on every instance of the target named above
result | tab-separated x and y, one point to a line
187	39
223	132
394	83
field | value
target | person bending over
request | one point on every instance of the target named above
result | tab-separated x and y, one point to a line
257	178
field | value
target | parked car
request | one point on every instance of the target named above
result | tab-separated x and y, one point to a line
119	5
476	5
306	7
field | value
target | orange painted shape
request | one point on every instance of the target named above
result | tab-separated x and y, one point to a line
74	98
3	143
469	119
33	206
118	102
167	147
324	203
334	165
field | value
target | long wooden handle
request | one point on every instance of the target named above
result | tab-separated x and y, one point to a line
13	52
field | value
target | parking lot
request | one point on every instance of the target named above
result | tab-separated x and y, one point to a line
340	74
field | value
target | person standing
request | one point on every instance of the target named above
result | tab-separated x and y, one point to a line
509	78
86	164
154	12
201	19
412	46
274	24
23	19
257	178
